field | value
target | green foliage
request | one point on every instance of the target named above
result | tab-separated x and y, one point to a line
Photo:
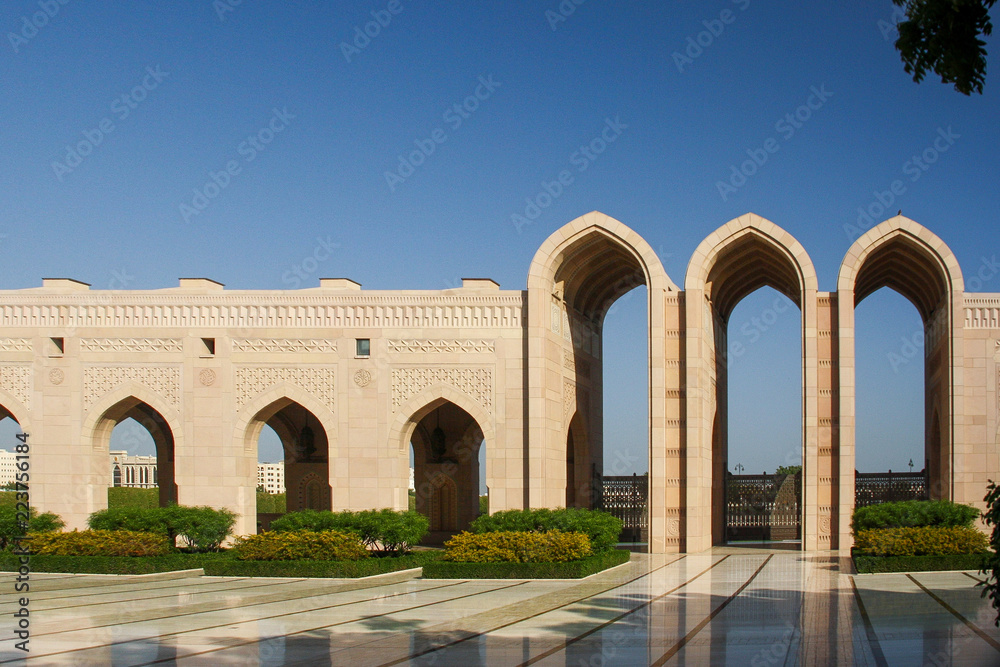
920	541
411	502
300	545
218	564
943	36
386	530
911	513
866	564
12	525
99	543
553	546
120	496
991	566
602	528
788	470
203	528
442	569
271	503
484	505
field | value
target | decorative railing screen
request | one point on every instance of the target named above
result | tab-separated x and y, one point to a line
625	497
872	488
763	507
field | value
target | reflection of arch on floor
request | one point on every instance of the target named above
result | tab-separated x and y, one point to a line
133	407
444	505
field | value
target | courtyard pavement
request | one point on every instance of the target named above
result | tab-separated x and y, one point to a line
721	607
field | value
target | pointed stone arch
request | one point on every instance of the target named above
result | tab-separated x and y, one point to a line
575	276
906	257
13	408
743	255
133	400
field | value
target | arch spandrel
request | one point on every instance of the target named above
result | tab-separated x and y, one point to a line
10	406
98	412
273	400
422	404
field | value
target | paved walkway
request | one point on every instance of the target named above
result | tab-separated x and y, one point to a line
723	607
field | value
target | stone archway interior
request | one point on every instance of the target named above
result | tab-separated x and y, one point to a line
306	455
163	440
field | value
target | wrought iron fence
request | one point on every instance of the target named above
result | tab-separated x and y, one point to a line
626	498
872	488
763	507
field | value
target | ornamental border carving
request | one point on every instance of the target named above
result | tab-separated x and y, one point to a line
442	346
131	345
476	381
284	345
16	380
318	381
15	345
162	380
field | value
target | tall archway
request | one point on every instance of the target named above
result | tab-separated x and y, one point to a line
446	442
739	258
907	258
576	276
306	452
152	420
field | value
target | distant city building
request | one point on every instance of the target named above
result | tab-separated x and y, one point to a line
271	476
7	469
134	472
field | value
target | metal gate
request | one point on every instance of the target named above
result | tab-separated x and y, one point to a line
625	497
763	507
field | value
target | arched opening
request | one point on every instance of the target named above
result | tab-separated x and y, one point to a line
140	446
446	448
295	443
9	430
575	278
271	493
907	259
730	266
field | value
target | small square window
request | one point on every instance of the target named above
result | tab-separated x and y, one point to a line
364	347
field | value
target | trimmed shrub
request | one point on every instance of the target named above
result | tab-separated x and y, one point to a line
300	545
991	564
11	524
920	541
122	496
203	528
271	503
442	569
99	543
553	546
874	564
911	513
602	528
387	530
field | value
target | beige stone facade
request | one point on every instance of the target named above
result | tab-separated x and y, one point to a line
519	372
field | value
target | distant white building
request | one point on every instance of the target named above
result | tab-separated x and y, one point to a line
271	476
134	472
7	469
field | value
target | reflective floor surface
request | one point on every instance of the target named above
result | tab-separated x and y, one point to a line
723	607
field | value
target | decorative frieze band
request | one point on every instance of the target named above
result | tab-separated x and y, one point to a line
284	345
131	345
15	345
16	381
252	381
444	346
164	381
477	382
982	312
246	311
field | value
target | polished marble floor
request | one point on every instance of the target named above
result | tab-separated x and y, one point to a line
723	607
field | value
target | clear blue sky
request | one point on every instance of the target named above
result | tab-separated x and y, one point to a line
115	219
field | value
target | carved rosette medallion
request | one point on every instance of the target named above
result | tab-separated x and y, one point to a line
56	376
206	377
362	378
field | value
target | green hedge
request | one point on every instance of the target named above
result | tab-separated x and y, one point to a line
203	528
576	569
220	564
551	546
120	496
921	541
868	564
602	528
99	543
912	513
11	525
300	545
388	530
271	503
